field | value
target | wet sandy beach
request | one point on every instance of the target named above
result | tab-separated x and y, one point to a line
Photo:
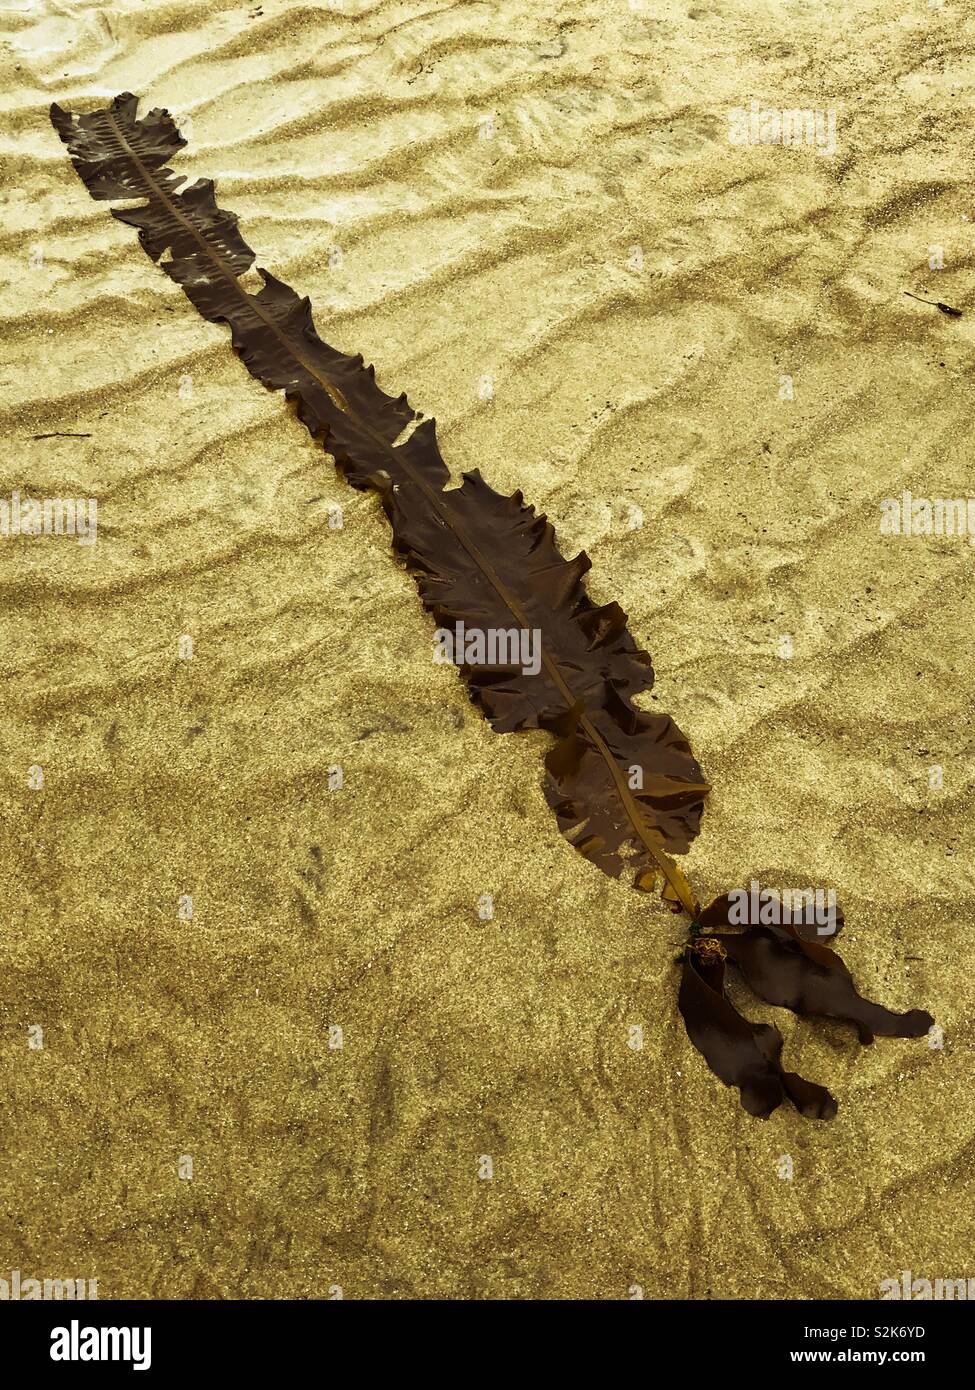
698	355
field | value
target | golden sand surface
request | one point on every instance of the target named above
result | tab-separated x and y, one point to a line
531	217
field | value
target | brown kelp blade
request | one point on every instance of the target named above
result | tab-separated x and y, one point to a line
784	966
514	614
651	753
625	786
741	1053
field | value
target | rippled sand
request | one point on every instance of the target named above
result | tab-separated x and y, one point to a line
544	195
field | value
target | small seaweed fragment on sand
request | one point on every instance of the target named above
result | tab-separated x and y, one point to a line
936	304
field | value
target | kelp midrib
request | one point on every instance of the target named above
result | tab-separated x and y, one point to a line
668	867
